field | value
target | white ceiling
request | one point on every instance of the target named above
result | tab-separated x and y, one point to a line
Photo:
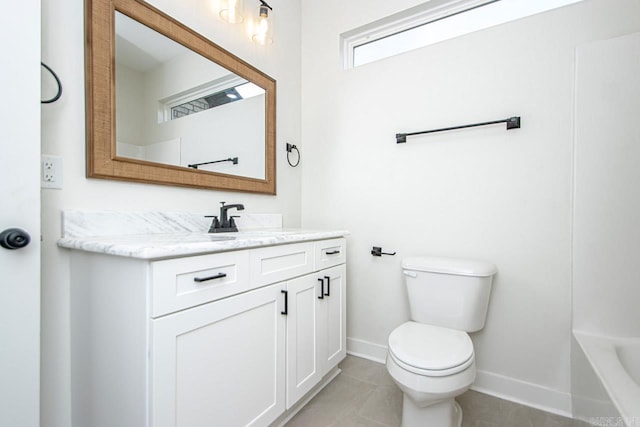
141	48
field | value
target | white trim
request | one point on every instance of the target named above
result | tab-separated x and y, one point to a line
514	390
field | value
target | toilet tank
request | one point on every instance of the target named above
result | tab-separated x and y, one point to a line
448	292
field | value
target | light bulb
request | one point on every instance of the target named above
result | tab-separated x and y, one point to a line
262	34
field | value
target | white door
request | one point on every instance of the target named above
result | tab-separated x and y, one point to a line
20	208
220	364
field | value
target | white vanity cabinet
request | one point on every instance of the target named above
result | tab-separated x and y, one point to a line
224	339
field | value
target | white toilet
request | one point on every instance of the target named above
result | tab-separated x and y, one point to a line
431	357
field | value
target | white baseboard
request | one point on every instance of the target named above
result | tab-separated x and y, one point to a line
525	393
367	350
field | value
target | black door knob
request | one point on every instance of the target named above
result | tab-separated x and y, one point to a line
14	238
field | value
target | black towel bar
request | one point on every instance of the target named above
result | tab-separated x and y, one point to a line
233	160
512	123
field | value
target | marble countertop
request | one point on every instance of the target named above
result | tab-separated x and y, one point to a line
169	245
155	235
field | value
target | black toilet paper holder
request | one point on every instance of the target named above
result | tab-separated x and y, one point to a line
377	251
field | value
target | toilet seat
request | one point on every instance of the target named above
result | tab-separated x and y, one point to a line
430	350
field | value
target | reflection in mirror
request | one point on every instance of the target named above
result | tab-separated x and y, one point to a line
170	107
176	107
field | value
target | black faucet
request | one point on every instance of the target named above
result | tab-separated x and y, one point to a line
226	222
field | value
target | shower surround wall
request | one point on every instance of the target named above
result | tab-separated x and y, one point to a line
485	193
607	200
606	267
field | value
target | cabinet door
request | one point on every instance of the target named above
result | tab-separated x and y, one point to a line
220	364
303	357
333	314
316	329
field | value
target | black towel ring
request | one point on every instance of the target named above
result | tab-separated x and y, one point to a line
290	148
59	94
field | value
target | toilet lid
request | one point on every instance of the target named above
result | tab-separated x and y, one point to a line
431	348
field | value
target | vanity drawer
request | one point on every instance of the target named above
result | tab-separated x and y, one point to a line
181	283
329	253
276	263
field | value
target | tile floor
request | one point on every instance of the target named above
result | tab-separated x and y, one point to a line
364	395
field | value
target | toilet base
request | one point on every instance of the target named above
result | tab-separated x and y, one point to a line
445	413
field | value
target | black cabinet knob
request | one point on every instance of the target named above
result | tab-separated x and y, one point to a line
14	238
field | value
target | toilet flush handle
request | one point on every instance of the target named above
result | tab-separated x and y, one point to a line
410	273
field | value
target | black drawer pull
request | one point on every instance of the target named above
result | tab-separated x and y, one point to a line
286	302
321	288
336	252
328	294
204	279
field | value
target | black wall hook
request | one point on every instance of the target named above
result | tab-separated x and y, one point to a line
376	251
55	76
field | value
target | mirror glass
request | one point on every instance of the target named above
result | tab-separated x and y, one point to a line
165	105
176	107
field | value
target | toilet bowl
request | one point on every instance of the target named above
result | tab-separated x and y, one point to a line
431	365
431	357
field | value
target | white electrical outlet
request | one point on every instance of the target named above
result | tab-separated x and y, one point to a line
51	173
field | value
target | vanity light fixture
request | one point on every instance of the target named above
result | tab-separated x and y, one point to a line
231	11
264	28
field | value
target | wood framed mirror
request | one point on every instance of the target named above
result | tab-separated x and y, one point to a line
165	105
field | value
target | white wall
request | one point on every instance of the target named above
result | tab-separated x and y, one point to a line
129	92
480	193
63	133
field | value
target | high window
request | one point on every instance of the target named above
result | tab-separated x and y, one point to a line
219	92
433	22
